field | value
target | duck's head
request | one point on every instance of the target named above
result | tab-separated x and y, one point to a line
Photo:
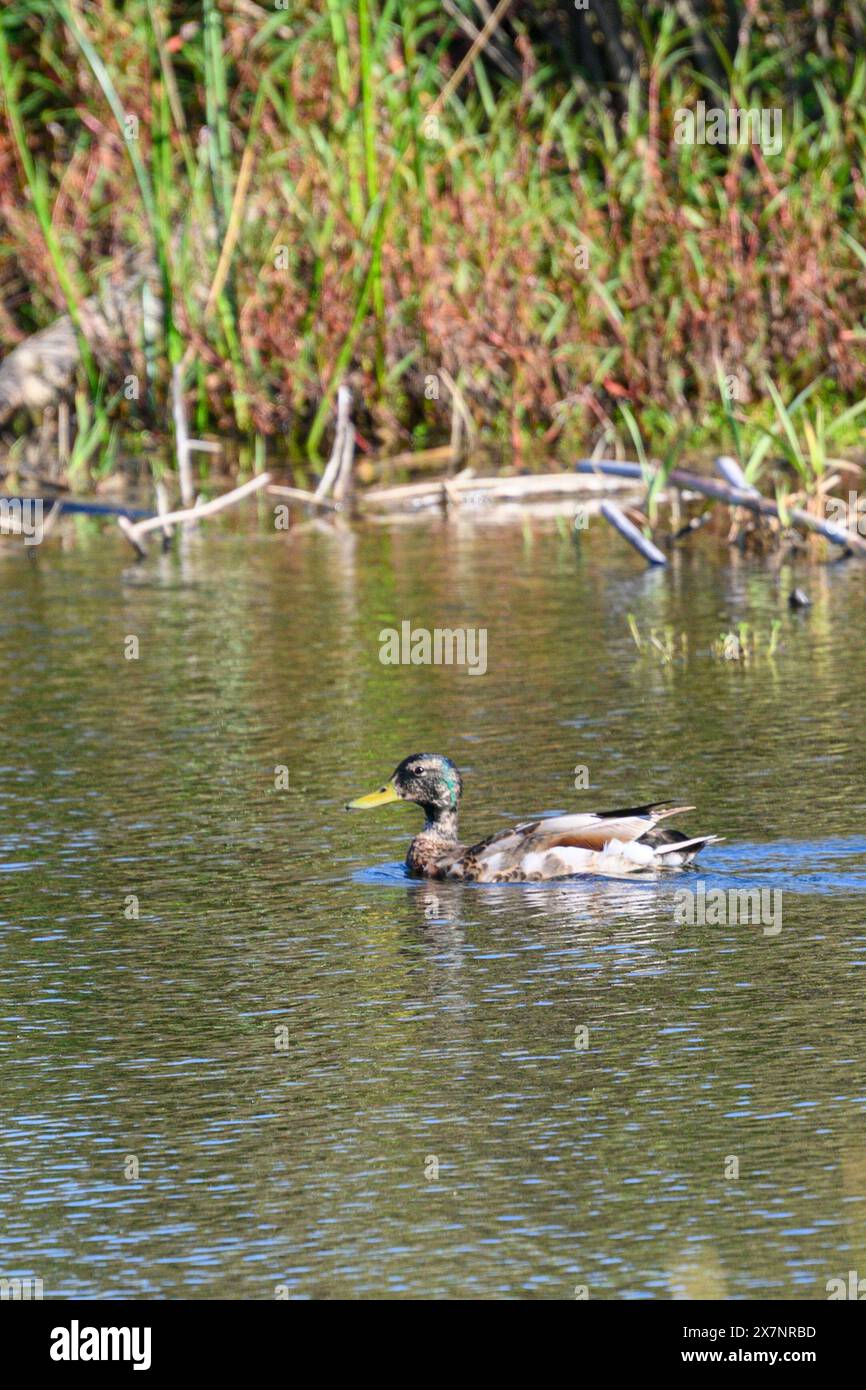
430	779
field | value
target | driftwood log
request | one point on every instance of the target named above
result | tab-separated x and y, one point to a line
466	490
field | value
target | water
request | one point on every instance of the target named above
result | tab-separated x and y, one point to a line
291	1037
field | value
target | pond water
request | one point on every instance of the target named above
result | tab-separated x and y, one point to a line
297	1072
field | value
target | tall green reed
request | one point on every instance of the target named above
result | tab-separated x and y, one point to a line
37	184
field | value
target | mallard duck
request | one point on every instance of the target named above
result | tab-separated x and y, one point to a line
600	842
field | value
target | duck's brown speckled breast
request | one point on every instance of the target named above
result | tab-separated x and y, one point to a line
432	856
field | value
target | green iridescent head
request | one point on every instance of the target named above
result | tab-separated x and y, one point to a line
429	779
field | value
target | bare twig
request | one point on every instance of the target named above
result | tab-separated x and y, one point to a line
499	56
335	462
135	533
477	48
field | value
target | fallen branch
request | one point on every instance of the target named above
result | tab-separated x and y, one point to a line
480	491
136	532
733	497
71	504
650	552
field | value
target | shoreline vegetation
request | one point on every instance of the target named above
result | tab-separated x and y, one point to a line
507	235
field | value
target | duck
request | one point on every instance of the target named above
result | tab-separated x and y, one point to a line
612	843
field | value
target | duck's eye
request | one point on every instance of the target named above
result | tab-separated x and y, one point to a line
417	772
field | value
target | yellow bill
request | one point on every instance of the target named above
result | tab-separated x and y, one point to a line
380	798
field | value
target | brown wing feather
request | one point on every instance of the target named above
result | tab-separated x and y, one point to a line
585	839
